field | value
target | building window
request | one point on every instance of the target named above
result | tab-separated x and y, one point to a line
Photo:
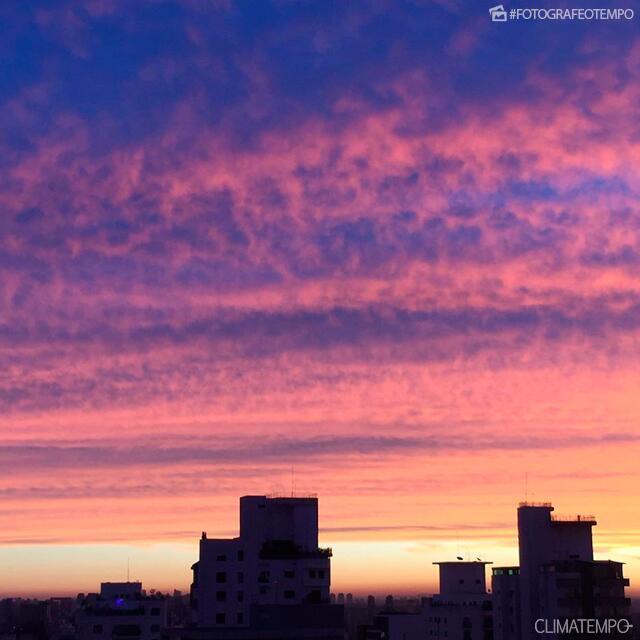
312	573
97	628
221	577
263	590
289	574
221	596
321	574
155	611
240	596
240	577
315	596
221	618
289	594
240	618
240	555
221	558
155	627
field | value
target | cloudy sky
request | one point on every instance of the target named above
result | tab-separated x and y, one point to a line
390	246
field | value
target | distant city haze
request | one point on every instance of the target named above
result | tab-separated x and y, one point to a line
385	252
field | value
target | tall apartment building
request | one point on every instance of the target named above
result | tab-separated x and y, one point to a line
273	576
558	576
542	540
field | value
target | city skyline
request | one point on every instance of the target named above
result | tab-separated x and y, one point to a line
107	568
273	580
385	252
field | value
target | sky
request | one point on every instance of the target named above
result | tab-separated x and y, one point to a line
385	252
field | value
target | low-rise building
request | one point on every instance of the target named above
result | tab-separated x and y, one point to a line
463	608
121	611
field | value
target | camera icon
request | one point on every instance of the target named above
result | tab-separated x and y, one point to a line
498	14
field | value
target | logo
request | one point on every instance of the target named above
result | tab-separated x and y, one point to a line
498	14
583	626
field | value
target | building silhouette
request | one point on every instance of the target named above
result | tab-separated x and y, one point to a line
272	581
462	608
574	589
558	578
505	590
121	611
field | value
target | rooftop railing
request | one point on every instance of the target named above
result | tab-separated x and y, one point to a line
535	504
291	494
574	518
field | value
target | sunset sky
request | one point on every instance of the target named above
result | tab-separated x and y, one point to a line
392	246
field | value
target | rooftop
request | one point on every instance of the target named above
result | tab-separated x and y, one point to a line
586	519
291	494
545	505
461	562
505	571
